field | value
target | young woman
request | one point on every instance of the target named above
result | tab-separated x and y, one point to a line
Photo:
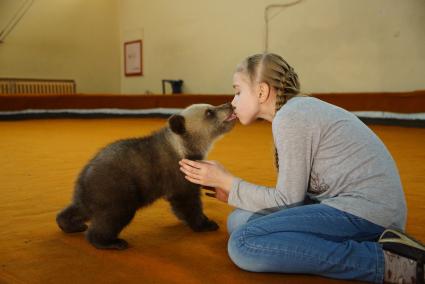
338	188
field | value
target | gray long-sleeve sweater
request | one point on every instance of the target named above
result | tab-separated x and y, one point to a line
327	154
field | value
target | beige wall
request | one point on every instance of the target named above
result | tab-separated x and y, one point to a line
334	45
66	39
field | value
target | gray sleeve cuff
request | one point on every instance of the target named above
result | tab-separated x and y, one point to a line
233	199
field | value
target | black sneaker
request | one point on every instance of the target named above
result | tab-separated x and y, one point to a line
404	245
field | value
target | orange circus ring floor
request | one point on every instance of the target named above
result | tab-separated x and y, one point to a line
40	159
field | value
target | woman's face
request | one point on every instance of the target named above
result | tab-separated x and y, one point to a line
245	102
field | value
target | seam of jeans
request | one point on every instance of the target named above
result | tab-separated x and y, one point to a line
326	208
380	268
324	217
244	242
319	217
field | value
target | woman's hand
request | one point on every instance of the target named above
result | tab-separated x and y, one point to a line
218	193
208	173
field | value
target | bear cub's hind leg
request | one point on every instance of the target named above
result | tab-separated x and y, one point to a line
105	228
72	219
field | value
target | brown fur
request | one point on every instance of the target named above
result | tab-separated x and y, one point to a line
132	173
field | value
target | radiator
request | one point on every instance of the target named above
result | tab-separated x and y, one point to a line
12	86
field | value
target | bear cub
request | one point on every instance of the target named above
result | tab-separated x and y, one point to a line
132	173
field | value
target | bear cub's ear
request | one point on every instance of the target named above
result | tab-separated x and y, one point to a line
177	124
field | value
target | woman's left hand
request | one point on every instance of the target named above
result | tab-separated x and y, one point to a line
207	173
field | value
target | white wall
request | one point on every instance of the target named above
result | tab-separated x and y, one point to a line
66	39
334	45
361	45
8	10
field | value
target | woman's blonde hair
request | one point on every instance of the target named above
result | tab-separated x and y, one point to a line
273	70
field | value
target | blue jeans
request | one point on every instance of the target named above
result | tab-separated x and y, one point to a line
310	239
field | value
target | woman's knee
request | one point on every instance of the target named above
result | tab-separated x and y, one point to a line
238	218
240	253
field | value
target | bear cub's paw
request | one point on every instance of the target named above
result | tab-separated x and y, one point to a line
206	226
118	244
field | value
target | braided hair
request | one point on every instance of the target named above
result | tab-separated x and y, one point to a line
272	69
